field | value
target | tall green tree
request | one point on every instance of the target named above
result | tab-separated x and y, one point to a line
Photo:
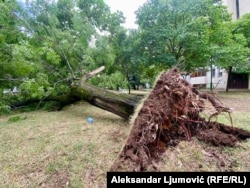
188	34
242	27
168	28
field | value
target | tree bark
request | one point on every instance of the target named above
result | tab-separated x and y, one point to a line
228	77
62	100
119	104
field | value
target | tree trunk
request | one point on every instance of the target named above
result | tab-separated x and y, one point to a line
62	100
119	104
228	77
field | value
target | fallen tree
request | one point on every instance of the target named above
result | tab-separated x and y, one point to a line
117	103
170	113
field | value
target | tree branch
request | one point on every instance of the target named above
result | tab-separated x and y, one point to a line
11	79
89	75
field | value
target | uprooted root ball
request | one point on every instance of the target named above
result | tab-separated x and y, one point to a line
170	113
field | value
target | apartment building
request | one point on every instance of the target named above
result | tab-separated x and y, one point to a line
237	7
215	76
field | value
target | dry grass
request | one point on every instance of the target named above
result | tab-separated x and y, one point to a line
61	149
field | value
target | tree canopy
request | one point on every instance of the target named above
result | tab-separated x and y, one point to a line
47	45
189	34
242	27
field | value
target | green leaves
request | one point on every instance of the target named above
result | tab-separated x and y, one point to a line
242	26
46	44
112	81
52	57
37	87
188	34
167	27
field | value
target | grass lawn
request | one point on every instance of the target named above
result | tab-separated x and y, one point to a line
61	149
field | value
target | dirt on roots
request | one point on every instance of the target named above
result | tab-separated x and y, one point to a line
169	114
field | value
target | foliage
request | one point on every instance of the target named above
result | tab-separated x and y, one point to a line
242	27
9	35
151	72
37	87
166	29
113	81
4	108
14	119
102	54
49	106
46	45
56	44
188	34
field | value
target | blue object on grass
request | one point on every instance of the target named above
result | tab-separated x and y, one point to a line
90	120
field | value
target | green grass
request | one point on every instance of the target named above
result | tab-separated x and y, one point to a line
239	119
61	149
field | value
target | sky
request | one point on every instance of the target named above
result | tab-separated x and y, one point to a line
128	7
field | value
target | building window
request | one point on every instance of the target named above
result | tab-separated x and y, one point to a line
219	72
213	73
198	73
237	9
203	72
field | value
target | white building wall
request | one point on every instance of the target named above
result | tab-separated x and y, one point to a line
198	80
231	6
218	81
244	7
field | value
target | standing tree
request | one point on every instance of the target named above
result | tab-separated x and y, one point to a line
242	26
189	34
172	31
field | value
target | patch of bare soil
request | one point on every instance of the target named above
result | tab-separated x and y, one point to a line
169	114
